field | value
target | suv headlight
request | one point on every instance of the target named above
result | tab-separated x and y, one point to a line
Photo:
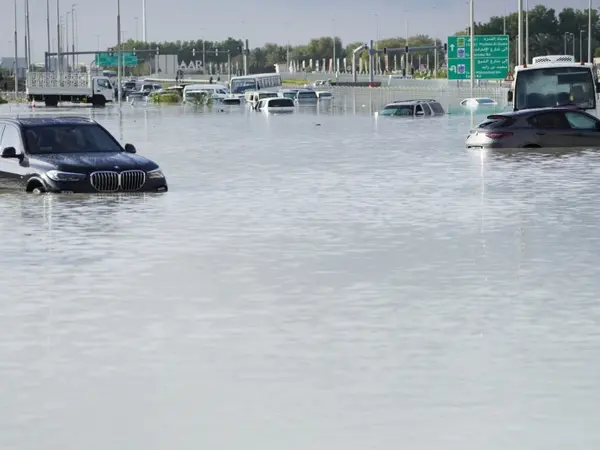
57	175
155	174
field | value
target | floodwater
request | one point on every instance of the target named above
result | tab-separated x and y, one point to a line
311	281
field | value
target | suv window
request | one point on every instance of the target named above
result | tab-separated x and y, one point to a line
580	121
437	108
549	121
12	138
427	109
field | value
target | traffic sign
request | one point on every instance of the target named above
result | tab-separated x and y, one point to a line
110	60
491	57
509	77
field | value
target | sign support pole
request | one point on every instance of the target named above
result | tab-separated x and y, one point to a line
472	27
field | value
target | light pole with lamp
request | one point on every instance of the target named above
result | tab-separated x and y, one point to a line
119	51
334	62
16	55
376	42
590	32
581	45
73	34
67	38
526	31
144	35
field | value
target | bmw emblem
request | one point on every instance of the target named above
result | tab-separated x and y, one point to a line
117	167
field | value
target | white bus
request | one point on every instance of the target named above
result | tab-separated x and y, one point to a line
554	80
239	85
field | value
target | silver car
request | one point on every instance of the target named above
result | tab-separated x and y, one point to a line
558	127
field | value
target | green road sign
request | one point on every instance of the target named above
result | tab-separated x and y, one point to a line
491	57
108	60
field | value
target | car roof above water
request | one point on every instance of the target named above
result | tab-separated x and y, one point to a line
46	121
526	112
412	102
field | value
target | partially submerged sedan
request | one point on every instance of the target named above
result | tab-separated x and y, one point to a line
560	127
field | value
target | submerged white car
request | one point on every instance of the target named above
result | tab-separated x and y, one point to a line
478	102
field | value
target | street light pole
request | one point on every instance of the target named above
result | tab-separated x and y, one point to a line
73	33
472	23
581	45
376	41
333	41
58	41
67	37
48	31
144	35
520	32
590	32
28	34
119	51
16	56
526	31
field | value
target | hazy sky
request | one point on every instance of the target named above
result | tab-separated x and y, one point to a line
296	21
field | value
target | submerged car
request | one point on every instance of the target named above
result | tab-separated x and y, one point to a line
71	155
413	108
557	127
478	102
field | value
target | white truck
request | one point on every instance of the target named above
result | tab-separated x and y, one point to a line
554	80
53	87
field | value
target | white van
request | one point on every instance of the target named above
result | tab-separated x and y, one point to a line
215	91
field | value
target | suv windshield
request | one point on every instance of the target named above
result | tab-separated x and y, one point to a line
555	86
68	138
398	110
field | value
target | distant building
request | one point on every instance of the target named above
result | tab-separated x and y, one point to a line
8	63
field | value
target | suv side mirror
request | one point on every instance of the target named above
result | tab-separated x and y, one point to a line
9	152
130	148
509	96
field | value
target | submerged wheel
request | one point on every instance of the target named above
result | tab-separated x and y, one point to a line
35	187
51	101
98	100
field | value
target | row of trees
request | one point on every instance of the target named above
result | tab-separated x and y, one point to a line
548	33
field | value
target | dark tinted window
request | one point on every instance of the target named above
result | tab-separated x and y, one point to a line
69	138
504	122
12	138
549	121
427	109
281	103
307	95
437	108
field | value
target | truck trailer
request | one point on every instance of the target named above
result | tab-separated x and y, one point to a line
75	87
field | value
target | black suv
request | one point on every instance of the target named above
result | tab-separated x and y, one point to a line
71	154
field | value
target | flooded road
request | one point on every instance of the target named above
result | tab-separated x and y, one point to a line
311	281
